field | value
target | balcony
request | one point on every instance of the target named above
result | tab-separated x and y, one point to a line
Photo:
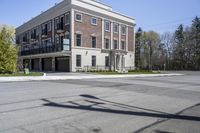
60	28
24	40
42	50
44	33
33	37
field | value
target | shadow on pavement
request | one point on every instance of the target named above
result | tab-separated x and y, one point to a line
146	112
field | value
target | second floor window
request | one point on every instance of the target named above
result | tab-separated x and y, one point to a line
49	26
115	44
78	40
56	23
107	43
123	45
67	19
94	42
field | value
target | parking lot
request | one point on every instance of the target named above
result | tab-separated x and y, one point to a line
119	105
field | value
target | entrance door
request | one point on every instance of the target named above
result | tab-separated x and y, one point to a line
47	64
62	64
35	64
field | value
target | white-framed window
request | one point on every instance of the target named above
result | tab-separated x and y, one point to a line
107	43
123	30
107	26
115	44
94	62
78	17
78	60
94	41
49	42
67	18
115	28
94	21
56	23
123	45
78	40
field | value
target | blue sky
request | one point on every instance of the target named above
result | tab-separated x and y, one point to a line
158	15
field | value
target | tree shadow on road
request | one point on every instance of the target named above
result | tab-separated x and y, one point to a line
127	109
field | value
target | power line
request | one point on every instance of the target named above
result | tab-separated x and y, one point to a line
171	22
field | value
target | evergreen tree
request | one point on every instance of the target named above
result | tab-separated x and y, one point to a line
196	40
179	49
138	42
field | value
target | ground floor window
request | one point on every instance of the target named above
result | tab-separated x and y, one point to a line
107	61
78	60
93	61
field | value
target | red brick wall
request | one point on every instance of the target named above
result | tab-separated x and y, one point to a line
130	39
87	30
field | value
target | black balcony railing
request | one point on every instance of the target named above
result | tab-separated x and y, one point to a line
24	39
33	36
44	32
60	26
41	50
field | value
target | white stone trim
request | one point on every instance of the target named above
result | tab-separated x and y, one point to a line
127	38
111	38
102	30
101	10
72	28
102	17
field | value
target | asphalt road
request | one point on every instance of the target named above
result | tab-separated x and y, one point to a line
128	105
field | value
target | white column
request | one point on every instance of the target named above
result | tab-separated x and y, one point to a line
52	28
72	28
53	64
111	37
40	64
30	64
127	38
120	36
103	34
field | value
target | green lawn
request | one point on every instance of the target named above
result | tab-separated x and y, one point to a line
132	72
22	74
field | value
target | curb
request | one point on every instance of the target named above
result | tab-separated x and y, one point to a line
47	78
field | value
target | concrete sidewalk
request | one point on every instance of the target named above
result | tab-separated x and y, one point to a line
80	76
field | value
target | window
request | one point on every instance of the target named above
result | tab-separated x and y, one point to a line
107	61
56	23
57	40
107	26
49	26
78	40
67	19
93	61
49	42
78	60
123	45
94	42
123	30
78	17
107	44
93	21
116	28
115	44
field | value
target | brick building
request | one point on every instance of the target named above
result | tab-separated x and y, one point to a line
78	35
